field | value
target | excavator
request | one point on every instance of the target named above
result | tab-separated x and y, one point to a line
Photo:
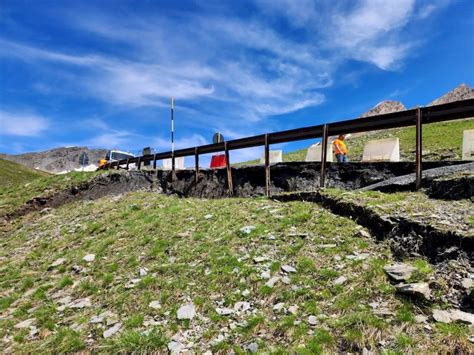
114	155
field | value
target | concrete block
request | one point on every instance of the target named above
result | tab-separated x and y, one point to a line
468	145
178	163
276	156
314	153
382	150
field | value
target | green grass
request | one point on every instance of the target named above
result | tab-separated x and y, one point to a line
13	174
12	196
209	262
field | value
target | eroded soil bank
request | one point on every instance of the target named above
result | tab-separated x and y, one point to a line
285	177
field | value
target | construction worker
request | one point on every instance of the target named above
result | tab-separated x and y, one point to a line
340	149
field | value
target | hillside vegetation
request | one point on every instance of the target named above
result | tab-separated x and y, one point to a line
12	174
253	274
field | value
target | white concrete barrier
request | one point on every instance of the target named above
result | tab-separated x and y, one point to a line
468	145
178	163
276	156
314	153
382	150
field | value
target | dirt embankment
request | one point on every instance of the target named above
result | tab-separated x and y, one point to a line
285	177
112	183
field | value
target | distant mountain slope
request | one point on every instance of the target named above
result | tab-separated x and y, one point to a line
56	160
15	174
462	92
385	107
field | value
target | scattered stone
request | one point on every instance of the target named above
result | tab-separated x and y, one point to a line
175	347
286	280
187	311
467	283
278	306
270	283
420	318
265	274
80	303
241	306
58	262
364	234
357	256
293	309
288	268
312	320
340	280
247	229
154	304
25	324
112	330
399	271
89	258
453	316
326	246
271	237
421	289
252	347
143	271
260	259
208	216
245	293
224	311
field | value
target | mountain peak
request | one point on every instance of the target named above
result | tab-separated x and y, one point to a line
461	92
387	106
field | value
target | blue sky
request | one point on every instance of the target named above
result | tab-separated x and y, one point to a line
101	73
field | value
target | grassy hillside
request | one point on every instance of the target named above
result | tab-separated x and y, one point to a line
440	141
152	254
14	195
15	174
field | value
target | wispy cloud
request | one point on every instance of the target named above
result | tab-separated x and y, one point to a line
22	124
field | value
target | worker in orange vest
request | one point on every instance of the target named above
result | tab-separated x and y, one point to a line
340	149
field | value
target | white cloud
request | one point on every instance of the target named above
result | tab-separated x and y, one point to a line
22	124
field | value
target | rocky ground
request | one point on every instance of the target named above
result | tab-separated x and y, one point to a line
142	271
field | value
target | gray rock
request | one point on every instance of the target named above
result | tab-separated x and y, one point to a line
80	303
270	283
265	274
175	347
252	347
399	271
312	320
340	280
224	311
293	309
143	271
25	324
247	229
467	283
112	330
421	289
89	258
58	262
245	293
288	268
241	306
186	311
454	315
419	318
154	304
278	306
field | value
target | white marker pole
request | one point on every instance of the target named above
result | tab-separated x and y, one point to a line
172	138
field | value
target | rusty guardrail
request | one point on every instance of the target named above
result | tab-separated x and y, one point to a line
414	117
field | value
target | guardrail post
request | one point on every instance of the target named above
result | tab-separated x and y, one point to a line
128	161
154	162
267	167
324	148
419	147
139	162
229	170
173	168
196	164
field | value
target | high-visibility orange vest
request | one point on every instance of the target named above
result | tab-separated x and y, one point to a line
340	146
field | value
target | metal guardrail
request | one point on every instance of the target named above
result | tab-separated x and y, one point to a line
414	117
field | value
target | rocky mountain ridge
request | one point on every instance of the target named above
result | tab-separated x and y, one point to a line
56	160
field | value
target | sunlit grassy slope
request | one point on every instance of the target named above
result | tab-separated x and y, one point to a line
197	251
12	174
